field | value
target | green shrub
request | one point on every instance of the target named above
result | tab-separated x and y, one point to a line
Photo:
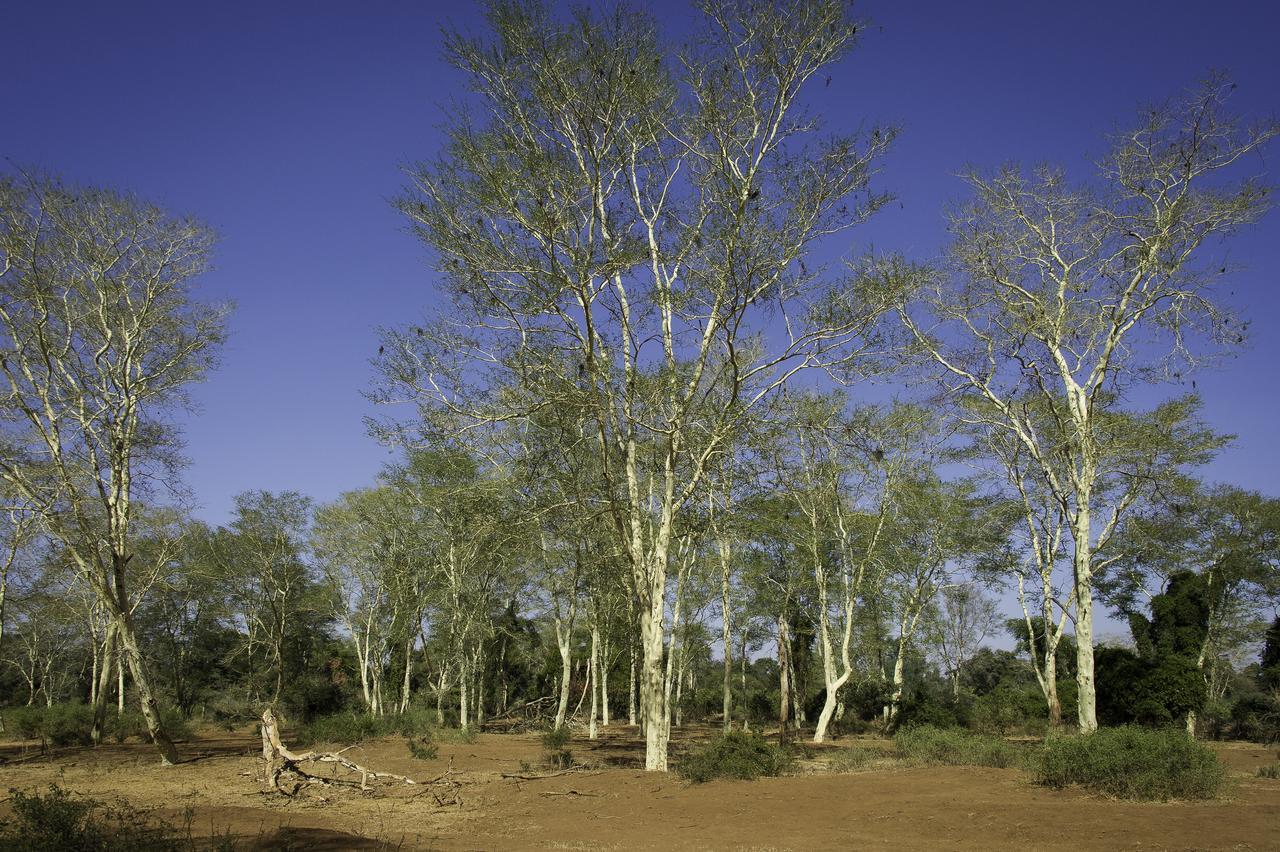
59	822
854	758
465	735
954	747
69	724
344	729
555	738
554	752
25	723
1133	763
122	727
413	723
1272	771
734	755
422	748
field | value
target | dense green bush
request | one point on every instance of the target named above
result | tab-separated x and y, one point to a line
734	755
1133	763
1010	708
344	729
954	747
1256	716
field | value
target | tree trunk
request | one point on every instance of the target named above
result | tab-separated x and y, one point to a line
726	638
408	668
895	700
784	681
593	675
103	682
142	682
1082	564
631	682
563	638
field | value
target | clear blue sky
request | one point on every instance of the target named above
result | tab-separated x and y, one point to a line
284	125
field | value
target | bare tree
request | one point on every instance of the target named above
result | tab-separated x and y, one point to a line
99	337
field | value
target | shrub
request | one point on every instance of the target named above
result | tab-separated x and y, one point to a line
465	735
344	729
1272	771
1011	707
554	741
422	748
26	723
854	758
734	755
69	725
1133	763
59	822
1256	716
954	747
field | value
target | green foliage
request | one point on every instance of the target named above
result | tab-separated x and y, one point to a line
422	748
1256	716
555	738
736	754
345	729
465	735
62	725
853	758
554	741
1010	708
1270	771
60	822
1133	763
953	747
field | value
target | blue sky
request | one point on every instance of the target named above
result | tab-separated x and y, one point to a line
284	126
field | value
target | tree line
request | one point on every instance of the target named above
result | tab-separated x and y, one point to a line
638	418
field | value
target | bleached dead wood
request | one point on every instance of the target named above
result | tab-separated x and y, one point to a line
280	762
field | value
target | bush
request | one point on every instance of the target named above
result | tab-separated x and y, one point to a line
57	822
422	748
554	741
1256	716
954	747
734	755
25	723
1133	763
854	758
344	729
1272	771
465	735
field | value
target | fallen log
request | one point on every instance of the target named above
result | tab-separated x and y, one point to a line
281	762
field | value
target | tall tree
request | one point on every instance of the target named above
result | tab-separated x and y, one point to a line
100	337
617	233
1057	296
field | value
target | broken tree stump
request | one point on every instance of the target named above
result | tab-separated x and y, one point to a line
281	762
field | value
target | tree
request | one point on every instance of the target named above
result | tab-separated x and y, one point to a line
99	337
965	618
615	239
1161	682
264	573
1057	297
1227	535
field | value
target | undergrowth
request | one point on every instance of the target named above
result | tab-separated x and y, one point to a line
1133	763
734	754
954	747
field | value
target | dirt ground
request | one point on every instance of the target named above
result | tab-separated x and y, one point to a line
617	806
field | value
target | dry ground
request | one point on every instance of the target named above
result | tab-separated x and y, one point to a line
617	806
